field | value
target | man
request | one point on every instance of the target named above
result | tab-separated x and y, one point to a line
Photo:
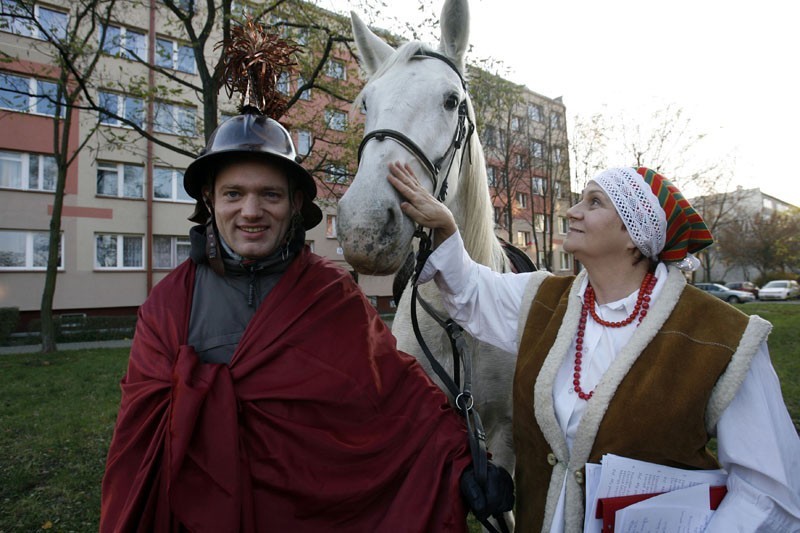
263	392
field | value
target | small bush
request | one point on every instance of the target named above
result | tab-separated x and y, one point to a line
9	318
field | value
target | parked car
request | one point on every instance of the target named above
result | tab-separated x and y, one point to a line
780	289
746	286
724	293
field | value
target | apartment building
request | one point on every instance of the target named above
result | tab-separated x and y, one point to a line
124	221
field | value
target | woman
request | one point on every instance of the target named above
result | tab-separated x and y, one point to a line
625	358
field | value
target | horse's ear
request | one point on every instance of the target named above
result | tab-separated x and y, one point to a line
455	31
372	49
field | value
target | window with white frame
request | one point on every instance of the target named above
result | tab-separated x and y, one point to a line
336	174
563	225
123	42
330	226
515	123
16	19
335	119
27	250
537	149
566	260
556	154
558	188
336	69
523	238
28	95
175	119
522	200
541	257
283	83
498	215
120	180
535	112
304	140
27	172
117	105
118	251
168	185
519	161
538	222
174	55
170	251
537	186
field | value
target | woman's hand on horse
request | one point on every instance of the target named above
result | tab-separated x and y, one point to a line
420	205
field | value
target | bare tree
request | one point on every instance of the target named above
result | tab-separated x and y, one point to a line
74	55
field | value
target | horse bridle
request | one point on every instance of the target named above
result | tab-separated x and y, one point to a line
462	396
463	132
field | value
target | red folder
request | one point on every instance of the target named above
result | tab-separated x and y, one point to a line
607	507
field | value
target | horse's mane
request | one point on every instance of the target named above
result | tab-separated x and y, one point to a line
472	207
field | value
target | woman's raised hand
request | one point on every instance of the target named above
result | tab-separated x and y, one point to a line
419	204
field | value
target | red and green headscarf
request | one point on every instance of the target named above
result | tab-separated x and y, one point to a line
661	222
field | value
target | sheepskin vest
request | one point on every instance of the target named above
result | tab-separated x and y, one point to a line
658	402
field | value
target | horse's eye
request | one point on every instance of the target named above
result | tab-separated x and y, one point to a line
451	102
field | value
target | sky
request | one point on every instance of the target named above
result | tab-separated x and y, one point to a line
732	67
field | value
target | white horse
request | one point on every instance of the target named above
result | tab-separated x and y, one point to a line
420	97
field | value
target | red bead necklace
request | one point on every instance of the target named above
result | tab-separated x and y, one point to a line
640	310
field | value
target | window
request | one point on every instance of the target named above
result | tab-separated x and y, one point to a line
523	238
27	250
522	200
28	95
566	261
335	119
123	42
168	185
538	222
283	83
176	56
18	21
519	161
489	137
515	122
304	141
174	119
555	121
491	174
557	154
305	95
557	186
537	149
563	225
541	257
336	69
330	227
170	251
537	186
120	105
336	174
120	180
498	215
118	251
27	172
535	112
301	37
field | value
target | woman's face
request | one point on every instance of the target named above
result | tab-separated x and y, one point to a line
596	230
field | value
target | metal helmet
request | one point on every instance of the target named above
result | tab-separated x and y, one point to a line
250	134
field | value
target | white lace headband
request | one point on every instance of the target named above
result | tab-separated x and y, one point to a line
638	207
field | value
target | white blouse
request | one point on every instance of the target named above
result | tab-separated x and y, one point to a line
757	443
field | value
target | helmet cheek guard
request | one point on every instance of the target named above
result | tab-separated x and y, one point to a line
250	134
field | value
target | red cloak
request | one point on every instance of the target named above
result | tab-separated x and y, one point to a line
318	423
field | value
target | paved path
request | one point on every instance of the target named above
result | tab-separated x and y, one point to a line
65	346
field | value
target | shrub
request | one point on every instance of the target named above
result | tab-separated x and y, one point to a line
9	318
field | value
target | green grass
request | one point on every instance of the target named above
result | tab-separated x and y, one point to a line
57	415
